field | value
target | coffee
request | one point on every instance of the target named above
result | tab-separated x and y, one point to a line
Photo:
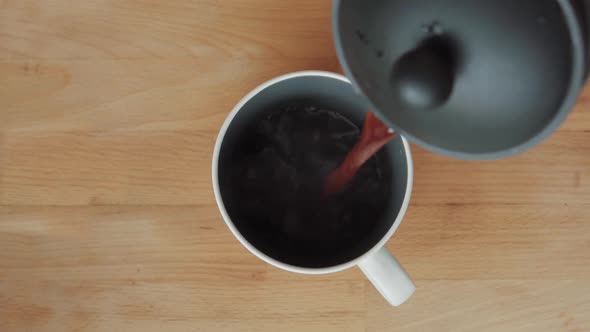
274	188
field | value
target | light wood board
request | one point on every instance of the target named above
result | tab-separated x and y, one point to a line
108	115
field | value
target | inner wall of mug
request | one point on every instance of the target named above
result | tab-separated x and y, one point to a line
323	92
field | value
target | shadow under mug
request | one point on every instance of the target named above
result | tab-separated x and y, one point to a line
331	91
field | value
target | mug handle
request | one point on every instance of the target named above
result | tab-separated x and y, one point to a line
388	276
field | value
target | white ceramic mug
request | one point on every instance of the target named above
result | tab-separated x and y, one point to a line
335	92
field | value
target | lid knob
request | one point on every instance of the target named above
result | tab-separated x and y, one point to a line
423	78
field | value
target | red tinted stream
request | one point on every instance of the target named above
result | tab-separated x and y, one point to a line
374	135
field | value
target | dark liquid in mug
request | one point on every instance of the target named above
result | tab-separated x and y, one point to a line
275	181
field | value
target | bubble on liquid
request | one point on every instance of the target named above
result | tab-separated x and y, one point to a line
311	109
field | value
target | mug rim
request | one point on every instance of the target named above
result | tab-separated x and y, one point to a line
227	219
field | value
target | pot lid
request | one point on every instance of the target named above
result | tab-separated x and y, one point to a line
473	79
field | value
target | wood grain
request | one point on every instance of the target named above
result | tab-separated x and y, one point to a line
108	114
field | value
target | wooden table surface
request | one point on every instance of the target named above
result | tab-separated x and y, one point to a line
108	115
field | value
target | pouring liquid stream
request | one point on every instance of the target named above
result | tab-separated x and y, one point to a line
374	135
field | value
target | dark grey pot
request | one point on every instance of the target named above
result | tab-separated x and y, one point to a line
513	72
